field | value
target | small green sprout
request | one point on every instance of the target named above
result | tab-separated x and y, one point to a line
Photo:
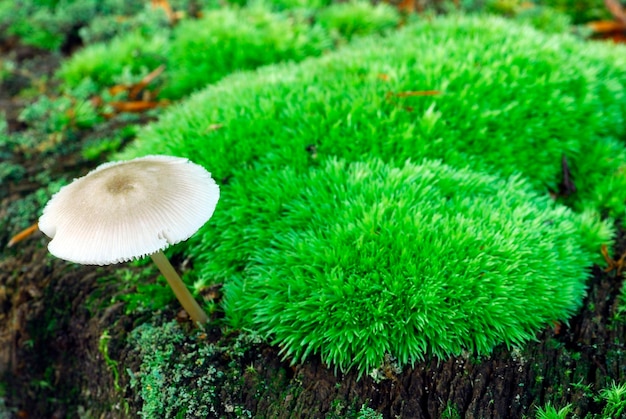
550	412
615	398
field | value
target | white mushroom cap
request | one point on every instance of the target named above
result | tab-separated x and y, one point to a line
126	210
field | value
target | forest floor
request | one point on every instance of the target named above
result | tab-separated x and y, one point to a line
64	350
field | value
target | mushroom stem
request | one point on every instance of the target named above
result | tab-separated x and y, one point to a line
180	290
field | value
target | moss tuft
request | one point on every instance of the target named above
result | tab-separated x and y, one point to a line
524	104
178	377
227	40
330	243
359	18
354	261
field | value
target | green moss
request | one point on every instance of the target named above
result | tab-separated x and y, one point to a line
199	52
309	5
545	18
56	115
323	226
55	24
340	409
111	364
5	412
368	413
614	397
95	148
145	294
139	17
359	18
24	212
581	11
618	316
47	24
134	54
7	70
517	106
227	40
11	172
550	412
356	261
181	375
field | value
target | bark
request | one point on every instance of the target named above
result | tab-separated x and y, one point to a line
53	364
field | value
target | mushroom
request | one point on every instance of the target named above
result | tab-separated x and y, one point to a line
126	210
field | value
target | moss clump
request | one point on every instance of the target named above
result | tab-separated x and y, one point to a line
200	52
330	243
544	18
182	376
359	18
612	398
502	103
550	412
353	261
227	40
133	54
20	214
55	24
614	395
49	23
56	115
11	172
581	11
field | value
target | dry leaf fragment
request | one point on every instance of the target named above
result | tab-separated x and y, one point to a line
415	93
136	106
212	293
27	232
613	265
213	127
567	187
117	89
407	6
51	141
96	101
135	89
606	26
392	95
609	30
172	16
616	10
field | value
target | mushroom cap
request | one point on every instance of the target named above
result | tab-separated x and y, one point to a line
130	209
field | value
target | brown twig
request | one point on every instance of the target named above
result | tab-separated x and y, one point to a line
613	265
23	234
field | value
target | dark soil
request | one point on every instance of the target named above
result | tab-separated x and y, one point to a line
53	315
52	365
